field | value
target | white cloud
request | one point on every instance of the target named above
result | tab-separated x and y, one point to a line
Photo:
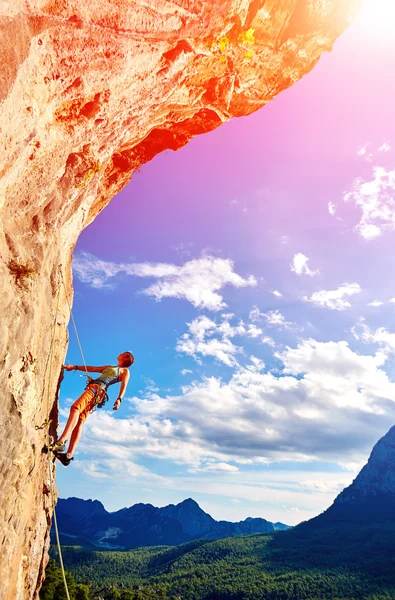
150	385
323	486
222	350
184	250
273	492
363	151
331	208
352	466
201	326
328	403
308	412
392	300
93	271
284	239
384	147
334	299
206	338
376	303
274	318
200	341
256	365
381	336
115	466
376	199
253	331
198	280
216	467
226	330
277	294
300	267
255	314
186	371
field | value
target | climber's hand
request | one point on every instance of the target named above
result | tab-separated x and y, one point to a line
69	367
117	404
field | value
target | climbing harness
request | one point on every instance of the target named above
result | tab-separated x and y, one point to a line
99	386
99	390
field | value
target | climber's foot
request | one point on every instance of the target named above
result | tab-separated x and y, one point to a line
62	456
47	447
58	446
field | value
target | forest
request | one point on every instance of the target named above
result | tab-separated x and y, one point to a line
331	564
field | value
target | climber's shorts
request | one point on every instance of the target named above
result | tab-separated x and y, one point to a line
86	401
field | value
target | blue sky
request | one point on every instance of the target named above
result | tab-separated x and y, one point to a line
251	275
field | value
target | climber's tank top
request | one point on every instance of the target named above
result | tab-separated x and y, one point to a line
109	376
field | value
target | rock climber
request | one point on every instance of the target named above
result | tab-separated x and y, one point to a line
95	395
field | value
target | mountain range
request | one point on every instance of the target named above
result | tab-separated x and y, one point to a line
369	499
146	525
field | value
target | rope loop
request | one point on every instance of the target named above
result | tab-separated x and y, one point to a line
46	423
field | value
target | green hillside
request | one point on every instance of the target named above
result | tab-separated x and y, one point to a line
332	564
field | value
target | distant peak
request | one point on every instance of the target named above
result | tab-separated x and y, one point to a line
370	497
188	501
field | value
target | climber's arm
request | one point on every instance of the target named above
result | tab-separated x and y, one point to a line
83	368
124	382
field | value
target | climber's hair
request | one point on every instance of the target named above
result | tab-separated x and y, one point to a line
128	359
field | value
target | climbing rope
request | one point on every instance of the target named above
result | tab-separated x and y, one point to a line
47	423
74	324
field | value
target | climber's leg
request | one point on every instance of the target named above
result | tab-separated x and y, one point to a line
75	437
78	410
70	425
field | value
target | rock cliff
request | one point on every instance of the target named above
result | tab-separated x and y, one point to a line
89	92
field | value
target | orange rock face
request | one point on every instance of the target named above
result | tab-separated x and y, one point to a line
89	92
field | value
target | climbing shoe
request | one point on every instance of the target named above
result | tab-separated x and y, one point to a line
59	446
62	456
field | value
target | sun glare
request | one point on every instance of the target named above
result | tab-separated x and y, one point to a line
379	15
